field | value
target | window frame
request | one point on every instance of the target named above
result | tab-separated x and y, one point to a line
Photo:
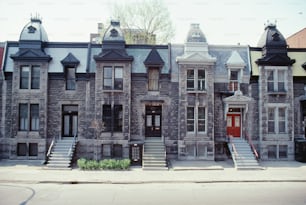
277	81
275	119
112	117
194	83
234	84
153	78
31	78
196	120
70	77
28	117
114	82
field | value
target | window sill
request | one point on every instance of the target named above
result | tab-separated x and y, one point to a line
277	92
196	91
112	91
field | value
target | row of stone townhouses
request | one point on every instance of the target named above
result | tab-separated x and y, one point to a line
114	96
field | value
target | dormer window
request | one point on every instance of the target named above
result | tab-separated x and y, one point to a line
234	80
114	33
70	79
31	29
153	77
70	63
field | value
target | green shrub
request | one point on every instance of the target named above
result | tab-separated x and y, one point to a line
92	165
106	164
82	163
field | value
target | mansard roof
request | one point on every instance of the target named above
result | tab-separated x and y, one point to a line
154	59
235	60
36	55
70	61
274	48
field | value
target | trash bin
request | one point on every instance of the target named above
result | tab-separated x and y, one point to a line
300	150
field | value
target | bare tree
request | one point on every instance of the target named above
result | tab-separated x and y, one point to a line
147	20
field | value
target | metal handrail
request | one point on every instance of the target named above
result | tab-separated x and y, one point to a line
72	144
50	147
252	146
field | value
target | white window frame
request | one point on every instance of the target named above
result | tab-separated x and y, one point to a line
276	71
196	120
196	80
239	77
276	120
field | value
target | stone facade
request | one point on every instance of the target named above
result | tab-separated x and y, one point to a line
188	95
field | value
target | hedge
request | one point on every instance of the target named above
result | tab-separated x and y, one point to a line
106	164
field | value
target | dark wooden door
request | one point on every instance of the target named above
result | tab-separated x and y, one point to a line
153	121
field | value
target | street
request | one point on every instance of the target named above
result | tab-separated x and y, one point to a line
155	193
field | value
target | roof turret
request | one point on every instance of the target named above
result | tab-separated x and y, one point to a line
34	31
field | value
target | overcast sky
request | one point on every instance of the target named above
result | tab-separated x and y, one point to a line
222	21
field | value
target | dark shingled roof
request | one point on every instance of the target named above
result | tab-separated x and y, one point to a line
70	60
154	59
274	48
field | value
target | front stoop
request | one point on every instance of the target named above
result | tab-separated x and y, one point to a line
154	155
243	156
60	157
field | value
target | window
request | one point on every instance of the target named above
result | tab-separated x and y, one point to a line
117	151
112	118
271	120
234	80
107	78
201	119
107	118
272	152
22	149
30	77
282	151
190	119
25	118
118	84
70	79
276	80
153	79
277	120
34	116
33	149
196	119
106	151
190	80
196	80
112	78
117	118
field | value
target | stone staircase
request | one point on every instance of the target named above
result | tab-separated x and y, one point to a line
154	155
242	154
61	155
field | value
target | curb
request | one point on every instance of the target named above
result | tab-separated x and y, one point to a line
152	181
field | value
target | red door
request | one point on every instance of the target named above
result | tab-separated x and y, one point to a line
233	127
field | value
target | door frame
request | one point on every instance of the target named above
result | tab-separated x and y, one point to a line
241	122
71	112
153	110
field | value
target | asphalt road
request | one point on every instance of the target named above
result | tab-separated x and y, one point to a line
157	194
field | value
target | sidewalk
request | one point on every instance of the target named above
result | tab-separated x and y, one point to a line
180	172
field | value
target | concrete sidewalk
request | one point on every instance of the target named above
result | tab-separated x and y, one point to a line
180	172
